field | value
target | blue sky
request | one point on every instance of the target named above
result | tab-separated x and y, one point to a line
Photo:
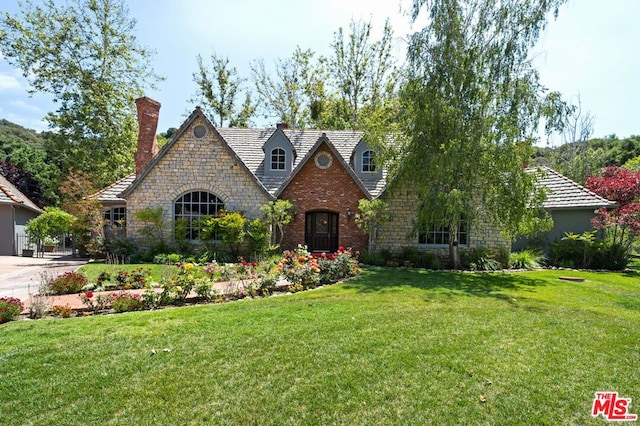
590	50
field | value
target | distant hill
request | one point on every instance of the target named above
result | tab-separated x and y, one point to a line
25	149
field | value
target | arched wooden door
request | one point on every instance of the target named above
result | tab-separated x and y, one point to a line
321	231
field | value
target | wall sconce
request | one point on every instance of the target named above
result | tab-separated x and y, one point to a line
349	214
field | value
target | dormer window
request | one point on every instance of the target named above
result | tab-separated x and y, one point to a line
278	159
368	165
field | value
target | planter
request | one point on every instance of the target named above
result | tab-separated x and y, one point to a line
48	248
27	253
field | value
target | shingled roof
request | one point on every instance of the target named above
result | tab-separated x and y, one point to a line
111	194
9	194
563	193
247	146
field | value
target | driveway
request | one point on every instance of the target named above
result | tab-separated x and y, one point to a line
22	276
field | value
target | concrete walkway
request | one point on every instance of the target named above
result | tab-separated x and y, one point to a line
22	276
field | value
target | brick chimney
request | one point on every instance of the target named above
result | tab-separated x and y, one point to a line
148	111
283	126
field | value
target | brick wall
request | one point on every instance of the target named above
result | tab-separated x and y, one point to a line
330	189
194	164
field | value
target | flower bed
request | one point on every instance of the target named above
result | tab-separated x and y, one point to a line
123	291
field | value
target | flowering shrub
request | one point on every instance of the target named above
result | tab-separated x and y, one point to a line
67	283
205	289
336	266
98	303
299	267
10	308
126	302
177	288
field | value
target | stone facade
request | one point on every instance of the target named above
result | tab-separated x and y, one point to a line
397	233
324	189
194	164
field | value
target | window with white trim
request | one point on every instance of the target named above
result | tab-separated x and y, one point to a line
193	206
368	165
278	159
439	236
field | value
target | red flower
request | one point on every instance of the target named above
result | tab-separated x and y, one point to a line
341	248
89	294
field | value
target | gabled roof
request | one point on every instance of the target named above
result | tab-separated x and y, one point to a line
323	140
111	194
248	143
197	113
563	193
9	194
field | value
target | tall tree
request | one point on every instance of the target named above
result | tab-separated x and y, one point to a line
474	102
84	54
218	88
294	94
361	70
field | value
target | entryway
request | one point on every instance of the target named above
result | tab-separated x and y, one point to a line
321	231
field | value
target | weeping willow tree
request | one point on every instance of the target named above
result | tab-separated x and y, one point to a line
474	107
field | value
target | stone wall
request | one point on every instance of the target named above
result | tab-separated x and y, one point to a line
331	189
396	234
195	164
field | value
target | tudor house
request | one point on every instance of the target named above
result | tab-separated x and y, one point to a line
203	169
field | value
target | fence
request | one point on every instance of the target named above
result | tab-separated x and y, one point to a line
63	246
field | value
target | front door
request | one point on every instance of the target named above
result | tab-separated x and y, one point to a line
321	231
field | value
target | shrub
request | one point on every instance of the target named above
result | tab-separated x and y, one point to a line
121	247
126	302
584	251
372	258
300	267
205	289
67	283
99	303
481	259
526	259
10	308
61	311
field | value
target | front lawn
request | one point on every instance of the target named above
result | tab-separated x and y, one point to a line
388	347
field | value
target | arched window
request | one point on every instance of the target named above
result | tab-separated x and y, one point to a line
368	164
193	206
278	159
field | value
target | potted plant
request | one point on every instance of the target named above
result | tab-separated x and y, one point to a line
49	243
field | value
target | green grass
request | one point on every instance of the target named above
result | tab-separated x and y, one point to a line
93	270
389	347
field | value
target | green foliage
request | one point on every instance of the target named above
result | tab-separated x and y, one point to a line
474	104
153	231
53	222
294	94
584	251
363	74
68	283
526	259
121	248
10	308
84	53
279	213
633	164
481	259
25	149
371	214
126	302
258	233
218	90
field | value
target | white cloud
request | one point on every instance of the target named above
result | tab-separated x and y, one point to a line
9	82
26	106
